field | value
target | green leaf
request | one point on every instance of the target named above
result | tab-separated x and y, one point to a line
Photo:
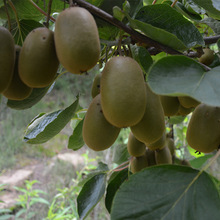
25	10
7	217
167	192
176	119
90	195
116	179
20	32
180	75
36	95
197	163
120	153
46	126
165	25
142	56
76	139
212	23
211	6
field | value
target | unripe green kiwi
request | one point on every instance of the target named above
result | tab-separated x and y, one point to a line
163	156
170	144
38	61
151	157
96	85
184	111
188	102
152	124
123	92
170	105
159	144
7	58
98	134
135	147
77	40
138	163
208	57
203	132
17	90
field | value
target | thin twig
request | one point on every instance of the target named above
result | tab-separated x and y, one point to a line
211	40
48	13
173	4
8	16
41	11
154	2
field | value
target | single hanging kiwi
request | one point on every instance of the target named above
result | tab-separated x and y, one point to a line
170	105
163	156
17	90
7	58
123	92
135	147
188	102
77	40
203	132
138	163
159	144
38	61
152	125
96	85
98	134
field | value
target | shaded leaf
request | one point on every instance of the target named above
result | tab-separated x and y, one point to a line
120	154
197	163
176	119
167	192
211	6
36	95
90	195
76	139
167	26
46	126
180	75
116	179
142	56
212	23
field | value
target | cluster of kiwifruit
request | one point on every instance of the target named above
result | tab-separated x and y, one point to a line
74	43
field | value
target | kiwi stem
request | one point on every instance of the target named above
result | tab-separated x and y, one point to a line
154	2
48	13
121	167
41	11
8	16
17	19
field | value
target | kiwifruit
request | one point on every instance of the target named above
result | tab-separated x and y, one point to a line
17	90
96	85
188	102
159	144
7	58
203	132
77	40
184	111
38	62
208	57
152	124
135	147
170	144
170	105
98	134
138	163
151	157
123	92
163	156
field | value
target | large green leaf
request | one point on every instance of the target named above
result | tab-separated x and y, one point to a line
76	139
211	6
180	75
115	181
36	95
165	25
120	153
45	126
26	10
167	192
90	195
197	163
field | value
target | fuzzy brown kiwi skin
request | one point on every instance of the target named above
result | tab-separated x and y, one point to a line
17	90
98	134
163	156
138	163
170	105
96	85
7	58
38	62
